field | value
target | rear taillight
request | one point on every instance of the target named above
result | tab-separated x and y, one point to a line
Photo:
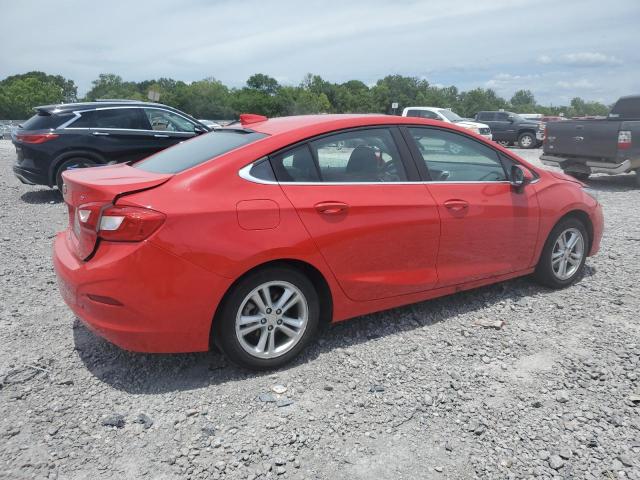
36	138
624	140
128	224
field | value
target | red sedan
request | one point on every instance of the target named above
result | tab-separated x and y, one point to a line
250	236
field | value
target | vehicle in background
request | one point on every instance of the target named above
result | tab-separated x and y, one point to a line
508	128
531	116
610	145
76	135
448	116
253	236
552	118
210	124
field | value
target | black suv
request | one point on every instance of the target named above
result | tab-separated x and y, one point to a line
76	135
508	128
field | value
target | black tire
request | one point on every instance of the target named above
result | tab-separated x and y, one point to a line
224	327
583	177
544	272
527	140
75	162
504	143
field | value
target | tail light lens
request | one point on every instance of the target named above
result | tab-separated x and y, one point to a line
128	224
37	138
624	139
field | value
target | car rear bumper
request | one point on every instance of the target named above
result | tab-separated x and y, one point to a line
611	168
138	296
28	176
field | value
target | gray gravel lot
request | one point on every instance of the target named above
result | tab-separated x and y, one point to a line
415	392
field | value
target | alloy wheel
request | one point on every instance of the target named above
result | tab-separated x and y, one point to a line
567	254
272	319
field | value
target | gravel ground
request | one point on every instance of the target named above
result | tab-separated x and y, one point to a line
416	392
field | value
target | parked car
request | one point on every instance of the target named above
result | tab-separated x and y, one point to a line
251	237
508	128
74	135
583	147
211	125
448	116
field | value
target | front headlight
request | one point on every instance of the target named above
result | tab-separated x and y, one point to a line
592	193
474	129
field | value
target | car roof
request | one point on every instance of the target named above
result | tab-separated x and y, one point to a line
71	107
303	126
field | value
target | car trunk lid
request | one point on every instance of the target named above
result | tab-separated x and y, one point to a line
89	191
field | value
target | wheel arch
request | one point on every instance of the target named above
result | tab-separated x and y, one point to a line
578	214
306	268
53	168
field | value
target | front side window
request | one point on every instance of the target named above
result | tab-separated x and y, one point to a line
454	157
120	118
368	155
164	121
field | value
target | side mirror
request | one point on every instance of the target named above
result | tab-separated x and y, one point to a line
520	177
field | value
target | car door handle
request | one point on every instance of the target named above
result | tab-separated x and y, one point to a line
160	135
100	133
331	208
456	205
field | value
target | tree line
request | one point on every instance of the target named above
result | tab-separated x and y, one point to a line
262	94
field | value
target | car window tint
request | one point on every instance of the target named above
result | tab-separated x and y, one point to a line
502	116
454	157
423	114
164	121
296	165
43	121
367	155
197	150
125	118
262	170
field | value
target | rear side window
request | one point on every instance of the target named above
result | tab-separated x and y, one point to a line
43	121
124	118
296	165
486	116
197	150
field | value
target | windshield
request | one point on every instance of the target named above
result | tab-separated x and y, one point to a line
451	116
197	150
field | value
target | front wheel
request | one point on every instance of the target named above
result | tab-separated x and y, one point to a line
267	318
564	254
527	140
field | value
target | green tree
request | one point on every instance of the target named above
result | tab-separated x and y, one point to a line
109	85
263	83
20	93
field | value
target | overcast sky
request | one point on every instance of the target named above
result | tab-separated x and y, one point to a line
556	48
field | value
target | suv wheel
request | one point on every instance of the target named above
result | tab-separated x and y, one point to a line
527	140
565	252
267	318
76	162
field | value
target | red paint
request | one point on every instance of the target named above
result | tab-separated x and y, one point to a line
377	246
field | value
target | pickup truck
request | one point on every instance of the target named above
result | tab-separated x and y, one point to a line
583	147
508	128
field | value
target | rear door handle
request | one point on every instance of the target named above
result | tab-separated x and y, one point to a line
331	208
160	135
101	133
456	205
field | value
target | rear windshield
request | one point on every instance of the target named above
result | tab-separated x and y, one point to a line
626	108
197	150
45	121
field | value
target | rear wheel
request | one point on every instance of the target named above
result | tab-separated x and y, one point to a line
267	318
76	162
527	140
564	254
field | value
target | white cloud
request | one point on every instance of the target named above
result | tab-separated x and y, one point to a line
581	59
581	84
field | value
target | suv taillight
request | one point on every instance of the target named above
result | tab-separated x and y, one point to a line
36	138
128	224
624	140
